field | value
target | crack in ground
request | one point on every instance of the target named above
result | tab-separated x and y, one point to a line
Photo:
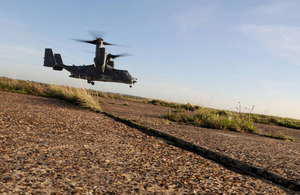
225	161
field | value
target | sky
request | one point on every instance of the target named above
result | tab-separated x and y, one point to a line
212	53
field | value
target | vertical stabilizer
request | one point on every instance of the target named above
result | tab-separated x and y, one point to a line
58	62
49	60
58	59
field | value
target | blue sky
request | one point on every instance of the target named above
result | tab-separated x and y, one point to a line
213	53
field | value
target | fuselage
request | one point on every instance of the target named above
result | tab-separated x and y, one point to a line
90	73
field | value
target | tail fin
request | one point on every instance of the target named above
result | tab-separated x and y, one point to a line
49	60
59	62
58	59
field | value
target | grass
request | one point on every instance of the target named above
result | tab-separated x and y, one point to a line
256	118
279	121
264	119
279	135
118	96
214	119
220	119
78	96
187	113
187	106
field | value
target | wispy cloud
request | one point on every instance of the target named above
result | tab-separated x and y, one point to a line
272	8
195	17
9	22
7	51
282	41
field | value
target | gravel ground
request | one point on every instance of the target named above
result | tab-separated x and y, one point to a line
278	156
50	146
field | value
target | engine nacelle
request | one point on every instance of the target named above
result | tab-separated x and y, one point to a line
100	58
111	63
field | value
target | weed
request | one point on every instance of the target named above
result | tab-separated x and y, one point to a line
214	119
279	135
223	120
273	120
246	114
187	106
78	96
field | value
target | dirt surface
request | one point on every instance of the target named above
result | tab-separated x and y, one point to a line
278	156
50	146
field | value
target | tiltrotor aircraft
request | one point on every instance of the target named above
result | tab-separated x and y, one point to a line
103	68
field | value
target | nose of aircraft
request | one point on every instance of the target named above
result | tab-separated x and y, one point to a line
134	80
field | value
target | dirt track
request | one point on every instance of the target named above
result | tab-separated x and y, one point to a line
270	153
51	146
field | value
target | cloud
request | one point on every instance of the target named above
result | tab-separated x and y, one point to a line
195	17
282	41
7	51
9	22
272	8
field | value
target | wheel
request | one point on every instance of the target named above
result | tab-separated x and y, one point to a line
89	81
93	83
130	86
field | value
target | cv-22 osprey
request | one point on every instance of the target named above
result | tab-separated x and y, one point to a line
103	68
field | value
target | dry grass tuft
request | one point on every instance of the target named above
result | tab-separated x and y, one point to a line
75	95
280	135
214	119
78	96
220	119
187	113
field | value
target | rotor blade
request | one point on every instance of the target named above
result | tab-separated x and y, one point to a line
119	55
93	42
97	34
100	34
86	41
105	43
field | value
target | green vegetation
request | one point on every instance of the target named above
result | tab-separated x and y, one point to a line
220	119
279	135
256	118
187	106
272	120
186	113
77	96
214	119
118	96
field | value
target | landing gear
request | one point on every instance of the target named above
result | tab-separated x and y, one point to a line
91	82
